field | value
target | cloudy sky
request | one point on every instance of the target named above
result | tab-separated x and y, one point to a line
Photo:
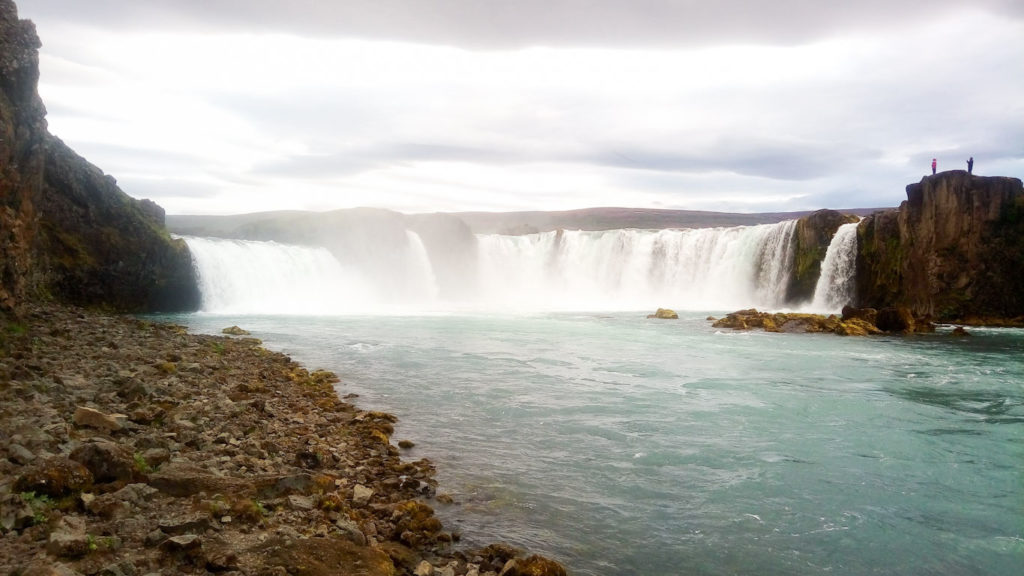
229	106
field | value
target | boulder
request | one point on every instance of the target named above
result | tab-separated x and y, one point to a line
361	495
895	319
56	477
533	566
235	331
869	315
664	314
92	418
107	461
69	539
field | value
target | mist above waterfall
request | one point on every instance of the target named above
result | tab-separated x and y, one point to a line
437	270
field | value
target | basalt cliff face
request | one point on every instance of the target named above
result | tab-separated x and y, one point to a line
954	250
67	232
810	243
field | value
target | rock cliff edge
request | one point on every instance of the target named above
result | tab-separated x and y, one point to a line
67	232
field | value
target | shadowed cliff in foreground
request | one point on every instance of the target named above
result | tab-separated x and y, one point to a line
67	232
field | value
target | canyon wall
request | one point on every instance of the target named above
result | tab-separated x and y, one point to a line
67	232
954	250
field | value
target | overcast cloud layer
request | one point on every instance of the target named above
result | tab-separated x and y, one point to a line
444	105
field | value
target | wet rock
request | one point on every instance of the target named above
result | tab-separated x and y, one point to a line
92	418
532	566
895	319
424	569
664	314
869	315
57	476
107	461
959	331
235	331
406	444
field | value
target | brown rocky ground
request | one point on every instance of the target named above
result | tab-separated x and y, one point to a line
129	447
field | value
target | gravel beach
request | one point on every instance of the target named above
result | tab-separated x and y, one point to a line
129	447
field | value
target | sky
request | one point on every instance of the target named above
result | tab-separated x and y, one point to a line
236	106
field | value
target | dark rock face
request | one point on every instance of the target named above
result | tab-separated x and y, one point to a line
66	230
953	250
22	143
813	235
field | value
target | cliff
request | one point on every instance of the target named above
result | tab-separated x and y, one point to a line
810	243
954	250
67	232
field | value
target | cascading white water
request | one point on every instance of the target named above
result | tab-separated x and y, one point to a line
835	287
249	277
245	277
697	269
706	269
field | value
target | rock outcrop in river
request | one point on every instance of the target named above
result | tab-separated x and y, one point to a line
67	232
954	250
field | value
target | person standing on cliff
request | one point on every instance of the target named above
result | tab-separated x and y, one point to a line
970	165
933	165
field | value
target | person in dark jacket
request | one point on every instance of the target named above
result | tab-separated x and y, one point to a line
970	165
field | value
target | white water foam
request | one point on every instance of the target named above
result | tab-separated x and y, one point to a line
695	269
835	287
246	277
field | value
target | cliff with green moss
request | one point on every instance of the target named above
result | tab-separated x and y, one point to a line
810	243
67	232
954	250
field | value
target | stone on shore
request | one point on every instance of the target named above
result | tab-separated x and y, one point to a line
55	477
244	462
235	331
92	418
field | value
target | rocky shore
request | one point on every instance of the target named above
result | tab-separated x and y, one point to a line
129	447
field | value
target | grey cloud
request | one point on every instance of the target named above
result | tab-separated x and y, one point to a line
777	160
478	24
362	159
161	189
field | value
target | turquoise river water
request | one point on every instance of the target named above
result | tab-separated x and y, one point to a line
621	445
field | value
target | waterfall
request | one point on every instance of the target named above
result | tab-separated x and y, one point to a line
246	277
696	269
699	269
835	287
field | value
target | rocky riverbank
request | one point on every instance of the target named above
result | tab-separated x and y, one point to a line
129	447
853	322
